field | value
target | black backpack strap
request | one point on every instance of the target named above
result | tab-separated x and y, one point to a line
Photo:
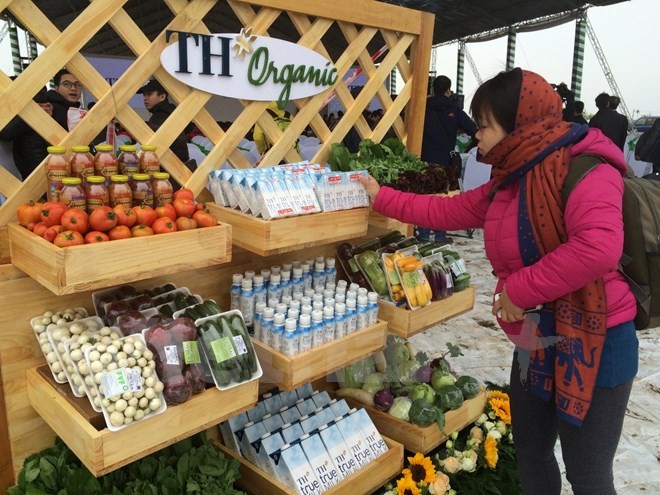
579	167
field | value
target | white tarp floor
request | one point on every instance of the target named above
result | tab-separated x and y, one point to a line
487	356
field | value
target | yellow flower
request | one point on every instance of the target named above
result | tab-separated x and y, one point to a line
406	486
501	407
497	394
490	449
441	485
421	469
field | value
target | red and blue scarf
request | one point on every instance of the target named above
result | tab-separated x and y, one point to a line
571	335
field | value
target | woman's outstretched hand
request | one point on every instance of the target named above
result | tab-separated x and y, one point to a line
371	187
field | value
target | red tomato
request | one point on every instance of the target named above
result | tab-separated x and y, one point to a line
185	223
141	230
164	225
102	218
125	216
40	228
200	206
75	219
95	236
119	232
69	238
146	215
51	213
184	193
184	207
166	211
52	231
205	218
29	213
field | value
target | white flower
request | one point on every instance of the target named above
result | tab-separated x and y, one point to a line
481	420
510	437
469	461
496	435
449	444
492	415
451	465
476	433
454	435
441	485
501	427
489	425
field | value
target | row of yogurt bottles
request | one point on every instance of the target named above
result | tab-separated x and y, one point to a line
298	313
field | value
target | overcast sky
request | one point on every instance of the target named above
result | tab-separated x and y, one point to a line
629	35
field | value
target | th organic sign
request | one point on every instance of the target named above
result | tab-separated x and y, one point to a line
247	67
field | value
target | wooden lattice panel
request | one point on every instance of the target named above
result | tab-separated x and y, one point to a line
405	33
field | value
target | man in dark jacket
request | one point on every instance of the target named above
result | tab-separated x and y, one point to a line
441	124
155	100
578	108
65	95
610	122
28	147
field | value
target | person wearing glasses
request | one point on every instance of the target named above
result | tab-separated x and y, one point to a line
65	95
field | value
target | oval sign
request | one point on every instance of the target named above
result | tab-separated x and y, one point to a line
247	67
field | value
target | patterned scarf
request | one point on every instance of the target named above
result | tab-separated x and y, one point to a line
570	337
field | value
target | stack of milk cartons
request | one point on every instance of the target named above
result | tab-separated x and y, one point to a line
311	443
341	190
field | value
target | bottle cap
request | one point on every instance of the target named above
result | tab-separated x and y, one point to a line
317	315
71	181
340	298
95	179
317	297
362	291
118	178
274	278
310	261
269	313
330	262
287	300
260	307
258	280
287	267
285	274
246	283
306	301
309	292
237	278
330	286
158	175
328	293
249	274
140	176
351	294
279	318
297	272
272	302
305	320
306	309
265	273
80	149
298	296
320	259
104	147
148	147
372	296
295	263
304	267
329	301
340	308
362	300
281	308
350	303
328	311
275	269
319	266
290	324
342	284
294	304
317	305
293	313
353	286
130	148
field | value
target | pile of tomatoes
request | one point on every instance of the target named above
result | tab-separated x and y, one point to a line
64	226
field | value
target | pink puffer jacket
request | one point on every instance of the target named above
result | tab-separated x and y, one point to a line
593	222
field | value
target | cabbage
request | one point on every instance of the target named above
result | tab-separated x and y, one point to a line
406	371
441	378
373	383
400	408
422	391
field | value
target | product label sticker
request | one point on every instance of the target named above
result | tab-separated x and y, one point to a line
223	349
119	381
241	348
191	352
171	354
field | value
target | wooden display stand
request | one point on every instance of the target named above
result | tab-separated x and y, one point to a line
407	323
288	373
364	24
255	481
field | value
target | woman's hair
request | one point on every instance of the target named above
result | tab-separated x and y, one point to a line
499	97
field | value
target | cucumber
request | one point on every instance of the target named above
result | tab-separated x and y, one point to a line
238	325
211	307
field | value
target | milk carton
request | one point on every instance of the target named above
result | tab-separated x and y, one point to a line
306	406
324	415
305	391
295	467
375	442
267	445
290	414
320	461
354	441
321	399
229	428
257	412
289	397
309	423
339	453
272	403
339	407
272	422
291	433
251	433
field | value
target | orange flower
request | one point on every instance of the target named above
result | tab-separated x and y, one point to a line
406	486
490	452
421	469
501	407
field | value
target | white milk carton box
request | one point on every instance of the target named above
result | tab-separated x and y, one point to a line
306	406
309	423
298	469
324	415
341	455
229	428
289	397
305	391
291	433
354	441
257	412
267	445
272	422
362	422
320	461
272	403
339	407
290	414
321	399
252	433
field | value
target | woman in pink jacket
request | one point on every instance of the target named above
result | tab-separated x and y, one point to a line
574	360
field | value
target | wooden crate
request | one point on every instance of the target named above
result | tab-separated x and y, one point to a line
406	323
103	451
415	438
95	266
281	235
370	478
289	373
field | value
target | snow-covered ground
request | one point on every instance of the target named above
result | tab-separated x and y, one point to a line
488	357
